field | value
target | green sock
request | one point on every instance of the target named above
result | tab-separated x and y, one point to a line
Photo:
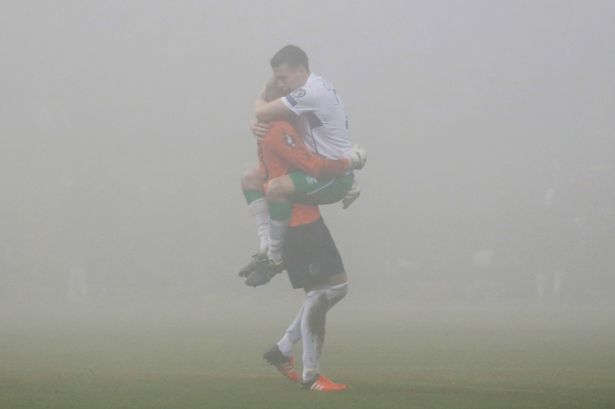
252	195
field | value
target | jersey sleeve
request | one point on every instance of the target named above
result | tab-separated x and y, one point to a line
285	142
301	100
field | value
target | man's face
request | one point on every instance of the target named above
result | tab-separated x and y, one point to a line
289	78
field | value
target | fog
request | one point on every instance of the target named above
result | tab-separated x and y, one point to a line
489	126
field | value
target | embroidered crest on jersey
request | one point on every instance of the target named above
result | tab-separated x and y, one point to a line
298	93
289	140
311	180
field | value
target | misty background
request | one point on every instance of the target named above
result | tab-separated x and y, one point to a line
489	125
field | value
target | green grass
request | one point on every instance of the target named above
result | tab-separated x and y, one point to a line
398	358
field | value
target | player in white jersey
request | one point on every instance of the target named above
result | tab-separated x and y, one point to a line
322	118
313	104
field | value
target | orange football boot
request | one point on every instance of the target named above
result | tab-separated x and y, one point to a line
288	370
285	365
324	384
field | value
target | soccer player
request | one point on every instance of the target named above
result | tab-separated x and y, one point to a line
280	151
314	264
314	104
310	258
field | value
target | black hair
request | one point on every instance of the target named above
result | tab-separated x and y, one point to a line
292	56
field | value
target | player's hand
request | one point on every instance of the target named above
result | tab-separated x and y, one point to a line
352	195
358	157
259	129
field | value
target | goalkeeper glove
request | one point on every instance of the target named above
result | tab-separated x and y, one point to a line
352	195
358	157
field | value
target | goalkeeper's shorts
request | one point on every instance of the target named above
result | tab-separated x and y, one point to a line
310	255
324	191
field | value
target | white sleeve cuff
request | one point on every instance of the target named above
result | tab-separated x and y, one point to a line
290	106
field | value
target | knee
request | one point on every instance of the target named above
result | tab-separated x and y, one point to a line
279	189
336	293
341	291
251	179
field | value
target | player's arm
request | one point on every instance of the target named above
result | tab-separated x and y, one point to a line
271	111
286	143
295	103
268	95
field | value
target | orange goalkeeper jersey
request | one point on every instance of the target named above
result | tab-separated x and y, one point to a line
281	151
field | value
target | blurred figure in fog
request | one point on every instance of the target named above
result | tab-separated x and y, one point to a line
596	222
556	235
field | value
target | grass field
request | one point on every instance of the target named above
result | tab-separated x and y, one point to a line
391	358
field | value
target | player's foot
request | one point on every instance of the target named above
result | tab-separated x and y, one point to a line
257	259
263	273
284	364
275	267
323	384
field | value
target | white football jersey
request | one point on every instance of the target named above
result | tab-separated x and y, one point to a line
322	119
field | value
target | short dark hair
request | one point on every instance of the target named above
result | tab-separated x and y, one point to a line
292	56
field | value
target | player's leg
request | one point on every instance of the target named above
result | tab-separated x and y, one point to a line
312	191
313	333
336	293
310	321
304	189
252	187
280	354
314	262
279	190
313	320
313	323
291	336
